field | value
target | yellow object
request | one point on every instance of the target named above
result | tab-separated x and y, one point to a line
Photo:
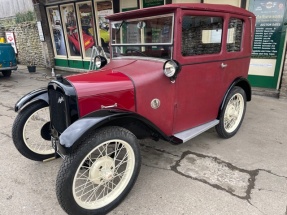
2	40
105	35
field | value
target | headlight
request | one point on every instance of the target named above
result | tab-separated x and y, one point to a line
100	61
171	69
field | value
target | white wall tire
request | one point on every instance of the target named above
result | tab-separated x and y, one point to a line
99	173
232	113
28	129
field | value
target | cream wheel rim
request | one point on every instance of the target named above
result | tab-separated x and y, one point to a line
32	132
233	113
103	174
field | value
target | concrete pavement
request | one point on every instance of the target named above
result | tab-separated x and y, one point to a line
246	174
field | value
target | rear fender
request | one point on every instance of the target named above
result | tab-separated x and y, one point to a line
81	128
240	82
39	94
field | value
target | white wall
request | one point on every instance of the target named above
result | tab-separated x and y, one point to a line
9	8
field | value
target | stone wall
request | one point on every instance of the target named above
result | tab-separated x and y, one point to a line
29	46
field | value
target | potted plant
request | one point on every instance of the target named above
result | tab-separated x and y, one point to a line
31	66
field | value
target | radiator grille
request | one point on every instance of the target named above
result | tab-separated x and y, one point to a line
58	110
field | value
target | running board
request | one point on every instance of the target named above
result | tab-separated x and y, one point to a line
185	136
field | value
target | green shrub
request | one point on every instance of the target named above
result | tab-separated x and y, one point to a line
25	17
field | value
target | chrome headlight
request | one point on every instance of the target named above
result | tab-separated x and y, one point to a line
100	61
171	69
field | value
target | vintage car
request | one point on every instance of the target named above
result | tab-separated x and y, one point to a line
8	60
73	38
175	71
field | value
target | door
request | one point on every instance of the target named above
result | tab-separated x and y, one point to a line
199	88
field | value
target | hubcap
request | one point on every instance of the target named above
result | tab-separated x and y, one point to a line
102	170
233	113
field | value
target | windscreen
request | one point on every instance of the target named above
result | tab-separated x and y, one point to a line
144	37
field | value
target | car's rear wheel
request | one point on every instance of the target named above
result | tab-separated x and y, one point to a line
232	113
6	73
31	132
99	173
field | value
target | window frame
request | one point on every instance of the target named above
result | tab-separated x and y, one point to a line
97	24
232	16
208	34
83	51
52	33
70	57
185	60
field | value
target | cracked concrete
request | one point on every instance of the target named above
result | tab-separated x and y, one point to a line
216	173
246	174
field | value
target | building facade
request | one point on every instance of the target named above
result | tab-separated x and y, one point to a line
72	27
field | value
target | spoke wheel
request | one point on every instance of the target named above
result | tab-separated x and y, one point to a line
102	170
232	114
31	132
34	129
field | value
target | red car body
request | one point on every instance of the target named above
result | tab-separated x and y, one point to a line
198	92
73	37
175	71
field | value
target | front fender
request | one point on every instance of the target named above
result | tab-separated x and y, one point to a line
76	132
82	127
39	94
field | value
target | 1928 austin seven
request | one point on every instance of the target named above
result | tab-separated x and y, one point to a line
175	71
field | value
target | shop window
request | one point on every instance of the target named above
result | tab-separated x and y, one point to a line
71	30
103	9
56	30
234	35
87	26
201	35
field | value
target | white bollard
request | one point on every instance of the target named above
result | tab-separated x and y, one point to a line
53	73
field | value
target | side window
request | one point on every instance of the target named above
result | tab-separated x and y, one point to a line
201	35
234	35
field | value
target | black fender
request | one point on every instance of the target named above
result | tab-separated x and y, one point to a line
39	94
77	131
241	82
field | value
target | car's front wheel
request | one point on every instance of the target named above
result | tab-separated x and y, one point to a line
6	73
99	173
31	132
232	114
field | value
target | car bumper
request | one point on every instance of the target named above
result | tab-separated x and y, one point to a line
9	68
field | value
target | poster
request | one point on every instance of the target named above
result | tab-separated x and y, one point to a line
57	32
11	39
269	21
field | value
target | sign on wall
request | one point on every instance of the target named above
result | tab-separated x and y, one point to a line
40	31
269	22
268	45
11	39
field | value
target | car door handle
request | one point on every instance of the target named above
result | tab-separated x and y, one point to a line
223	65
